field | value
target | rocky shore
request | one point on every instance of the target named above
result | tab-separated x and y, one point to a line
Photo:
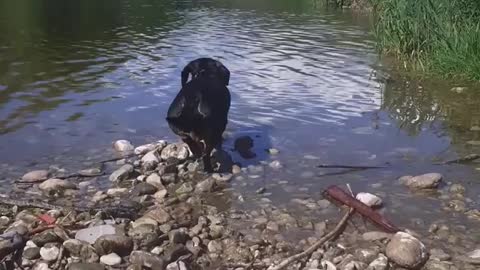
159	214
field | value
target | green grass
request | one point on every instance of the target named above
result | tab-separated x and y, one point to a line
436	36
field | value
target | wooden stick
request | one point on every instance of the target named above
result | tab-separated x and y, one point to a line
336	231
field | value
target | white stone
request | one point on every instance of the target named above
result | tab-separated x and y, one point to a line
90	235
49	253
56	184
35	176
369	199
406	251
111	259
143	149
123	146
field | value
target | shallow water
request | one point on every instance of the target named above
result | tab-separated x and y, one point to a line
77	75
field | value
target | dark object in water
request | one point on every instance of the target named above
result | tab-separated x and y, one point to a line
243	146
206	67
338	195
199	113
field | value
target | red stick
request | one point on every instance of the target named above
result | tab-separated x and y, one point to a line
339	195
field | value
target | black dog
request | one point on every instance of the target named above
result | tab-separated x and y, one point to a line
199	113
206	67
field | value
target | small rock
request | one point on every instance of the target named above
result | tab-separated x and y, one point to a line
216	231
457	189
327	265
88	254
144	189
49	252
111	259
424	181
214	246
458	89
90	235
376	236
86	266
369	199
206	185
169	178
184	188
177	150
48	236
90	172
273	151
177	266
320	228
31	253
457	205
73	246
54	184
150	160
474	254
272	226
41	266
120	244
323	204
159	215
143	149
366	255
115	192
179	236
35	176
123	146
261	190
173	253
436	265
406	251
160	195
155	180
225	177
147	259
275	164
145	235
380	263
121	174
236	169
439	254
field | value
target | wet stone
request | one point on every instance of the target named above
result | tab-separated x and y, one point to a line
380	263
376	236
144	189
111	259
121	174
86	266
123	146
439	254
31	253
424	181
90	235
406	250
120	244
54	184
369	199
48	236
35	176
49	252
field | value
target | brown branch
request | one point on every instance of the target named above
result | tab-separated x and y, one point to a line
335	232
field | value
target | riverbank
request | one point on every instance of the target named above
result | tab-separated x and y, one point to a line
431	38
162	212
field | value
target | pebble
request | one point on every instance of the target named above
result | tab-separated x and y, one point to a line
114	192
91	234
155	180
111	259
236	169
90	172
41	266
206	185
474	254
49	252
177	150
48	236
424	181
158	215
436	265
275	164
273	151
35	176
31	253
55	184
73	246
144	188
179	236
184	188
122	173
406	251
439	254
369	199
457	189
177	266
147	259
214	246
224	177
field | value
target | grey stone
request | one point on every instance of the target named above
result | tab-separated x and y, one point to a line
180	265
155	180
184	188
177	150
120	244
90	172
49	252
206	185
174	252
436	265
457	188
369	199
380	263
143	149
214	246
123	146
56	185
35	176
439	254
115	192
366	255
178	236
111	259
31	253
406	251
150	160
74	246
424	181
48	236
41	266
145	235
88	254
159	215
123	173
86	266
147	259
144	189
90	235
376	236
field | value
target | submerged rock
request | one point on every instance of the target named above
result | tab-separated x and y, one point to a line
424	181
123	146
35	176
55	184
121	174
407	251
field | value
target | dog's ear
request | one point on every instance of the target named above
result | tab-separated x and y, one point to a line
225	74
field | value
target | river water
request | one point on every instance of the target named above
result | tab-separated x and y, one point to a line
77	75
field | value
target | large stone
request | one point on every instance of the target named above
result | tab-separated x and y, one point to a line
120	244
424	181
55	184
147	259
143	149
177	150
150	160
86	266
35	176
111	259
123	146
369	199
406	251
145	235
90	235
122	173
